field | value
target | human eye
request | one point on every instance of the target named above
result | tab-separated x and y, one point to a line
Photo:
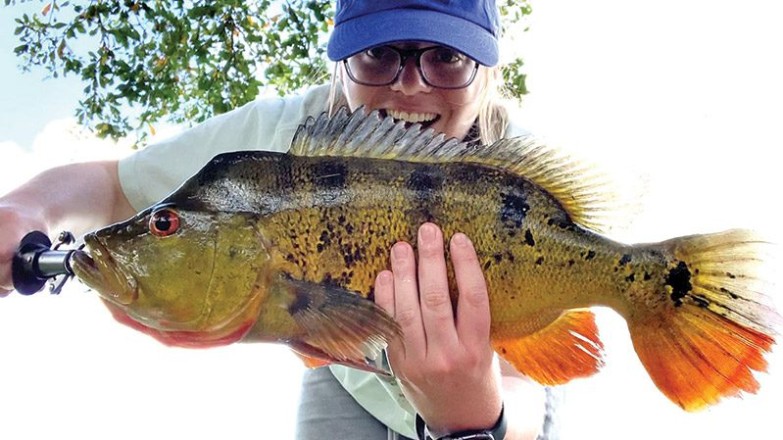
445	55
380	53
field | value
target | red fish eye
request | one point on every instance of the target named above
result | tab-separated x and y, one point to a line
164	222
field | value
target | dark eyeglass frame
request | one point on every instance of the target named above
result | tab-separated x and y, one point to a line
404	54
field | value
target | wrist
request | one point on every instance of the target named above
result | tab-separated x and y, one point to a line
496	432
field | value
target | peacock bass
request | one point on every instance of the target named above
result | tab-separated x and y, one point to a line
264	246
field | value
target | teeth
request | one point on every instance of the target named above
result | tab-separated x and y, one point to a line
411	117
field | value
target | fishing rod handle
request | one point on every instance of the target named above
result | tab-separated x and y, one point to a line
35	262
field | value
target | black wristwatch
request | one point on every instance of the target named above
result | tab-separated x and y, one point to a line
497	432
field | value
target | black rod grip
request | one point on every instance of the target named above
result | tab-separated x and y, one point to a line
34	262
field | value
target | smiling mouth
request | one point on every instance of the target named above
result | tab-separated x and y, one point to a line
423	119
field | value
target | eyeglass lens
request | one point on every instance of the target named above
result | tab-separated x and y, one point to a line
439	66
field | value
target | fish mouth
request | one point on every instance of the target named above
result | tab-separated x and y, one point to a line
424	119
99	271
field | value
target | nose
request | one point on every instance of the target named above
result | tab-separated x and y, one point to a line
410	81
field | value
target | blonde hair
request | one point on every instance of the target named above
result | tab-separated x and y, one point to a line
492	119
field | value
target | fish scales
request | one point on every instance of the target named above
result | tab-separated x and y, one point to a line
333	220
263	246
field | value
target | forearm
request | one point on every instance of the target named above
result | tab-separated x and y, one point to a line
78	197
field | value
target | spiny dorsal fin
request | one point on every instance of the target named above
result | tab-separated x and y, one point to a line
583	193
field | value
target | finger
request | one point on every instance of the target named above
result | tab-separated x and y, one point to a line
473	312
436	309
6	282
406	298
384	297
384	291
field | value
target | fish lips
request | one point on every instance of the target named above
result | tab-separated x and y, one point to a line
99	271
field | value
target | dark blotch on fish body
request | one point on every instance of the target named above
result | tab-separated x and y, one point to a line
564	224
679	279
329	174
513	210
590	255
425	179
529	238
624	260
426	186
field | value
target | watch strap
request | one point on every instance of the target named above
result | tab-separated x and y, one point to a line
497	432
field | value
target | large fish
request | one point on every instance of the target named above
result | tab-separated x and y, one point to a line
279	247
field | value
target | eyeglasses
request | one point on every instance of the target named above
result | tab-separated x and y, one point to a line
439	66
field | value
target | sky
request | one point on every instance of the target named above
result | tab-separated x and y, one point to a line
680	101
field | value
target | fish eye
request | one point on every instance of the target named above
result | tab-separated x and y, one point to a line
164	222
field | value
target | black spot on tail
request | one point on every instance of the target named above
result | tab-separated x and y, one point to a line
679	279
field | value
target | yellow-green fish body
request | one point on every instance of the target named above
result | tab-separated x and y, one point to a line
272	247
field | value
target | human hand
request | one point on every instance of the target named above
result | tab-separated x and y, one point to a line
445	362
15	222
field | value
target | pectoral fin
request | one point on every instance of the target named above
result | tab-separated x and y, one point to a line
339	326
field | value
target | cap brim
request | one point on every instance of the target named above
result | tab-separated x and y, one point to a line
362	33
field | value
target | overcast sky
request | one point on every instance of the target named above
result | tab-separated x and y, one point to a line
682	99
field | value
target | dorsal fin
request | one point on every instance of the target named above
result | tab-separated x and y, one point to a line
583	194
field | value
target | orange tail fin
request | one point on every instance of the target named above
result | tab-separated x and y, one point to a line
566	349
716	326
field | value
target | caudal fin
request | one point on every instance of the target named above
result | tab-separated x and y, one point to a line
717	324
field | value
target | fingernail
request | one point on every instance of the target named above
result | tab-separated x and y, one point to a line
460	239
385	278
427	232
398	251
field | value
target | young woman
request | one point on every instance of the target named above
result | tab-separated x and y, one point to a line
423	61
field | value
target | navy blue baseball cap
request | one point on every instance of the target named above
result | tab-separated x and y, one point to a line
469	26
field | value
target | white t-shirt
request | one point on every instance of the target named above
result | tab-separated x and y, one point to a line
151	174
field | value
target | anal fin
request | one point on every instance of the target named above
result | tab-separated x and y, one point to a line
313	357
566	349
310	361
